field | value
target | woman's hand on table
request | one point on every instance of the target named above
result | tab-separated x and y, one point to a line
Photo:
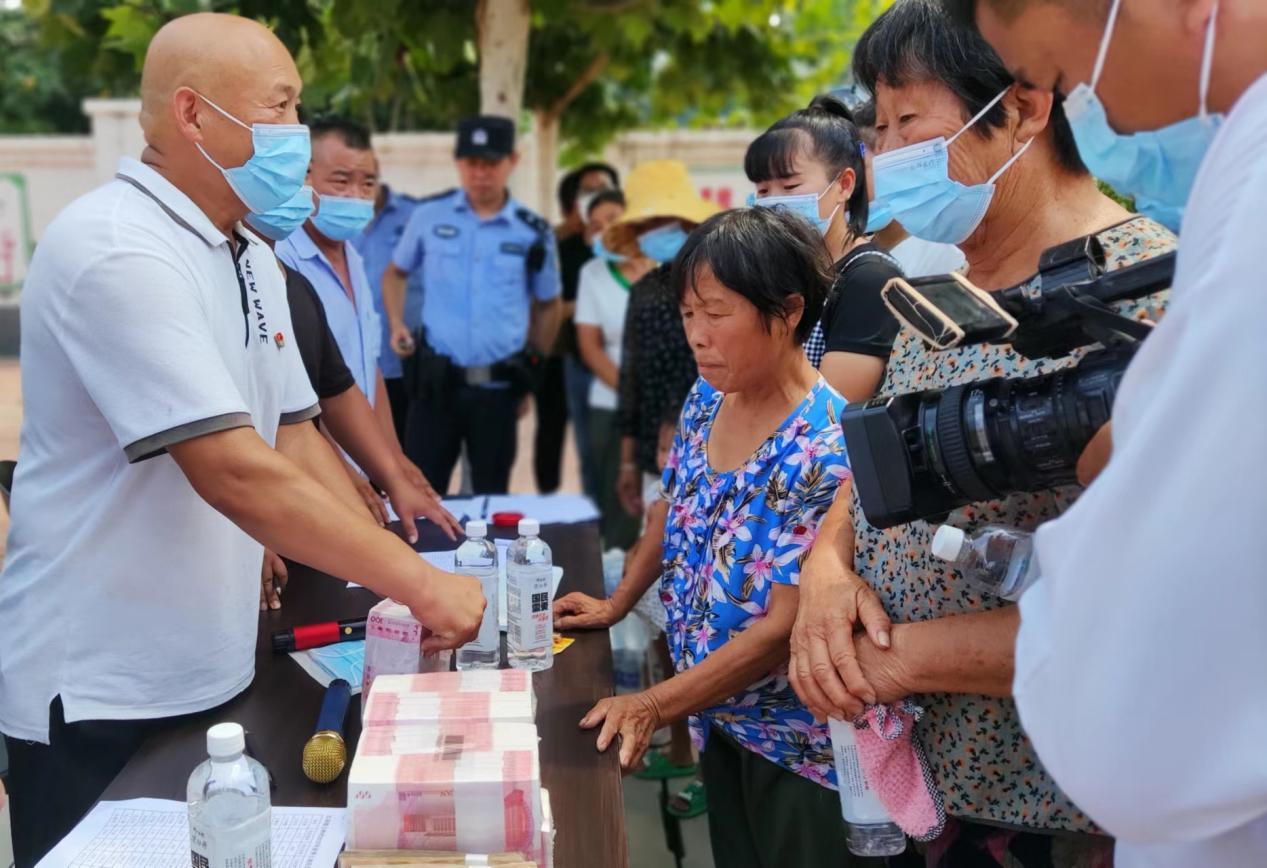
633	717
824	668
577	611
273	578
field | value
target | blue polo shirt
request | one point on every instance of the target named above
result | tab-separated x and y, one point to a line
353	320
477	287
376	245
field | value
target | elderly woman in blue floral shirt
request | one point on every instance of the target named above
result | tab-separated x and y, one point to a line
756	464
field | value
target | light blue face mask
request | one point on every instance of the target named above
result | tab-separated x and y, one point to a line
1157	167
601	251
915	182
276	169
278	223
804	204
879	215
662	244
340	218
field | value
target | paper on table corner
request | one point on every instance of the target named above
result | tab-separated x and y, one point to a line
133	831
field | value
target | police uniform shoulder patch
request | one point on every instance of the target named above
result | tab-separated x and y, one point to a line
435	197
537	223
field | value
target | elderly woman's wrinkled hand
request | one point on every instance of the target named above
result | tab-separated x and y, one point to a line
824	669
579	611
633	717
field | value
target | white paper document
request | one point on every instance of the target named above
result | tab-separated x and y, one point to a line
154	833
445	561
545	508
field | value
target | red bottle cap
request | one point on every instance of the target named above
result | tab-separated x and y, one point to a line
507	519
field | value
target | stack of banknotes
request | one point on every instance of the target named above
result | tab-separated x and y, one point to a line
448	761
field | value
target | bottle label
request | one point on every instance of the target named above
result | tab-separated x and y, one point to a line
241	845
489	638
528	602
858	802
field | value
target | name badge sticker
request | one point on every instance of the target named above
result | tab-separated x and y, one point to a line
444	230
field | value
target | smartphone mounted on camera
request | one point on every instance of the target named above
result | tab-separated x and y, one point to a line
946	310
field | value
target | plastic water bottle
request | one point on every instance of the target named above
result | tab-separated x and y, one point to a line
869	829
230	819
997	560
477	557
529	586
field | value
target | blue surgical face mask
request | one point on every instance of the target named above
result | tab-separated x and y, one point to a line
804	204
340	218
879	215
662	244
1157	167
915	183
601	251
278	223
276	169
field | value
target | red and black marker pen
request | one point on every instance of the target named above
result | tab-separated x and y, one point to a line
316	635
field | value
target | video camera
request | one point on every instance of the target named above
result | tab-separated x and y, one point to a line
924	454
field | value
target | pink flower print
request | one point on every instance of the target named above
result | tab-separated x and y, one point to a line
733	526
761	568
815	734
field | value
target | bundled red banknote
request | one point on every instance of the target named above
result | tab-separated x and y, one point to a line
451	697
449	761
393	644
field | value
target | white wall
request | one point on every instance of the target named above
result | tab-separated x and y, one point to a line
58	169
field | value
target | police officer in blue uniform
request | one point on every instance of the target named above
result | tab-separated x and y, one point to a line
392	210
490	307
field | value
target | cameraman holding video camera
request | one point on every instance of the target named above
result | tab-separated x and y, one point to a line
1150	706
1008	187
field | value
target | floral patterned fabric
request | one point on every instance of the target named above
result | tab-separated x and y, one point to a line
729	537
981	759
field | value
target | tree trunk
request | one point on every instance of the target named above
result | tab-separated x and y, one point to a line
546	127
501	28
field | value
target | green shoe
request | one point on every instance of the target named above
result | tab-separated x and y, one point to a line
657	767
690	802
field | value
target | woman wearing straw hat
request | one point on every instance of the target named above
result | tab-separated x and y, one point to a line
657	368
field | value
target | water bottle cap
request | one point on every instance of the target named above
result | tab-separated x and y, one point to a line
476	529
529	527
225	739
948	542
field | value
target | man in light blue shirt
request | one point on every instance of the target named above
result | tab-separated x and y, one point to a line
344	175
490	305
392	210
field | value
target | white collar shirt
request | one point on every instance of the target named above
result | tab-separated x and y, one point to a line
1141	664
142	326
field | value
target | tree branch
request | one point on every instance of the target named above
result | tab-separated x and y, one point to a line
584	80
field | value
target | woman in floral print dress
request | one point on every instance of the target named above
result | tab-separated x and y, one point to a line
756	463
950	647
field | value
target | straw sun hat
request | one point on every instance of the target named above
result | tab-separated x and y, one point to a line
656	189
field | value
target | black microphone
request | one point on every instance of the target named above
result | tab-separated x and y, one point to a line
325	754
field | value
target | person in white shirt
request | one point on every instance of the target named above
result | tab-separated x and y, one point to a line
602	298
159	372
1150	707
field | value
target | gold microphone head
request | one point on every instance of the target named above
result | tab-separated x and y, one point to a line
325	756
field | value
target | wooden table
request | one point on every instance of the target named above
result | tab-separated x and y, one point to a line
279	710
